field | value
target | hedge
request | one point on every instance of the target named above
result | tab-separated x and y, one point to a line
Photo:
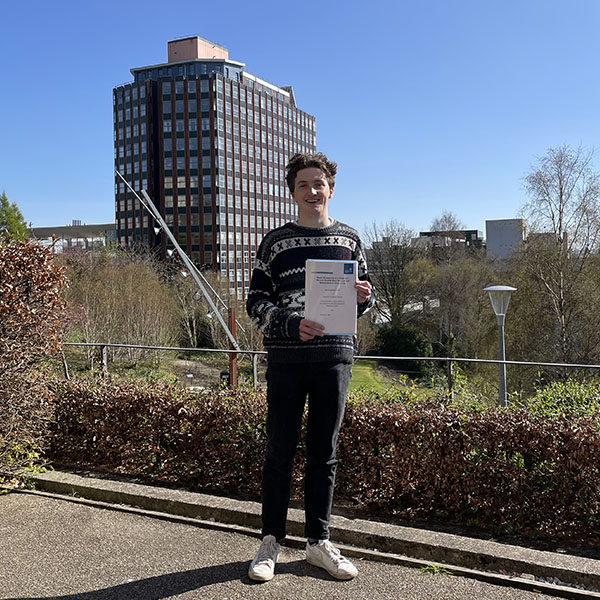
30	329
504	469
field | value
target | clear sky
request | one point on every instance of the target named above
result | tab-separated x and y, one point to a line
426	105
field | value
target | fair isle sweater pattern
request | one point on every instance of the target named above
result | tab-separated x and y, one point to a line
276	295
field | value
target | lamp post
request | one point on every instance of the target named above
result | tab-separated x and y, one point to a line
500	297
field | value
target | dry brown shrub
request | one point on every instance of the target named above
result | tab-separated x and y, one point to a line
505	470
30	330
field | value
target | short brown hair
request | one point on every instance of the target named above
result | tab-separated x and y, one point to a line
305	161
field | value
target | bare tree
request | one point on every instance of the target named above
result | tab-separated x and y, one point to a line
564	194
121	297
447	222
389	253
192	300
452	243
196	326
564	214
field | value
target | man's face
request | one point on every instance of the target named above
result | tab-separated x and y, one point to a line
311	193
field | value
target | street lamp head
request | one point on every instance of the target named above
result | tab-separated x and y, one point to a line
500	297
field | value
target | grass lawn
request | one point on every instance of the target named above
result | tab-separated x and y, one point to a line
364	375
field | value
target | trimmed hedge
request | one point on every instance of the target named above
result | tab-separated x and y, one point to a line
214	441
508	470
30	325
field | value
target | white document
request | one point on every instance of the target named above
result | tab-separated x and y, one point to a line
331	296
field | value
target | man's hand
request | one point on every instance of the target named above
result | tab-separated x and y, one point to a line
310	329
363	291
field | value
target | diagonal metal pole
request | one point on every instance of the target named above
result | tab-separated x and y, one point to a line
156	214
151	208
212	289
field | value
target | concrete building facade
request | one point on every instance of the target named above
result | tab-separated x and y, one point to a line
503	237
209	142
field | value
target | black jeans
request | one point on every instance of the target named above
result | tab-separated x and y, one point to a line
288	385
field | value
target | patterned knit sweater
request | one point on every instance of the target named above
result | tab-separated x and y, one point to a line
276	295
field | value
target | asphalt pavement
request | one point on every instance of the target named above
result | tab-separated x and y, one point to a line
52	547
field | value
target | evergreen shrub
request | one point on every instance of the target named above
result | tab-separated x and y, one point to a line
574	398
396	340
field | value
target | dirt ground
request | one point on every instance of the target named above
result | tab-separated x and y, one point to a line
206	375
203	374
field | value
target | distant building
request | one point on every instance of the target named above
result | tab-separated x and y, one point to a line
443	245
76	235
503	237
466	237
209	142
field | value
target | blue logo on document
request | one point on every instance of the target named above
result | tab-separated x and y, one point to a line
349	269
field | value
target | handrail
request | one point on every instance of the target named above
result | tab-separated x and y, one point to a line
166	348
357	357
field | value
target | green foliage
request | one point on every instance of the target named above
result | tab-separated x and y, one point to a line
149	372
12	223
434	569
473	392
568	398
25	457
396	340
404	391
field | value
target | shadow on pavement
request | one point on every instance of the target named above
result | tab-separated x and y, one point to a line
172	584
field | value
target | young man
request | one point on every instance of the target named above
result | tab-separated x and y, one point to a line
303	362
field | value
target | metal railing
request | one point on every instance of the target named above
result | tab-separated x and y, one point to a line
256	354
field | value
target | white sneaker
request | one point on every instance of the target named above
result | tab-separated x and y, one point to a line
262	568
325	555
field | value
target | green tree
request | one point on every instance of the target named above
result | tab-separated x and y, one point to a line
464	311
398	340
12	223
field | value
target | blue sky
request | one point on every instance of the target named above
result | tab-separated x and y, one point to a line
427	106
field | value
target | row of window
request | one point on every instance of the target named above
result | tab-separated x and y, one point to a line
186	70
225	124
125	210
262	116
277	102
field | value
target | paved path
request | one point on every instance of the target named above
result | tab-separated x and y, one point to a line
51	548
